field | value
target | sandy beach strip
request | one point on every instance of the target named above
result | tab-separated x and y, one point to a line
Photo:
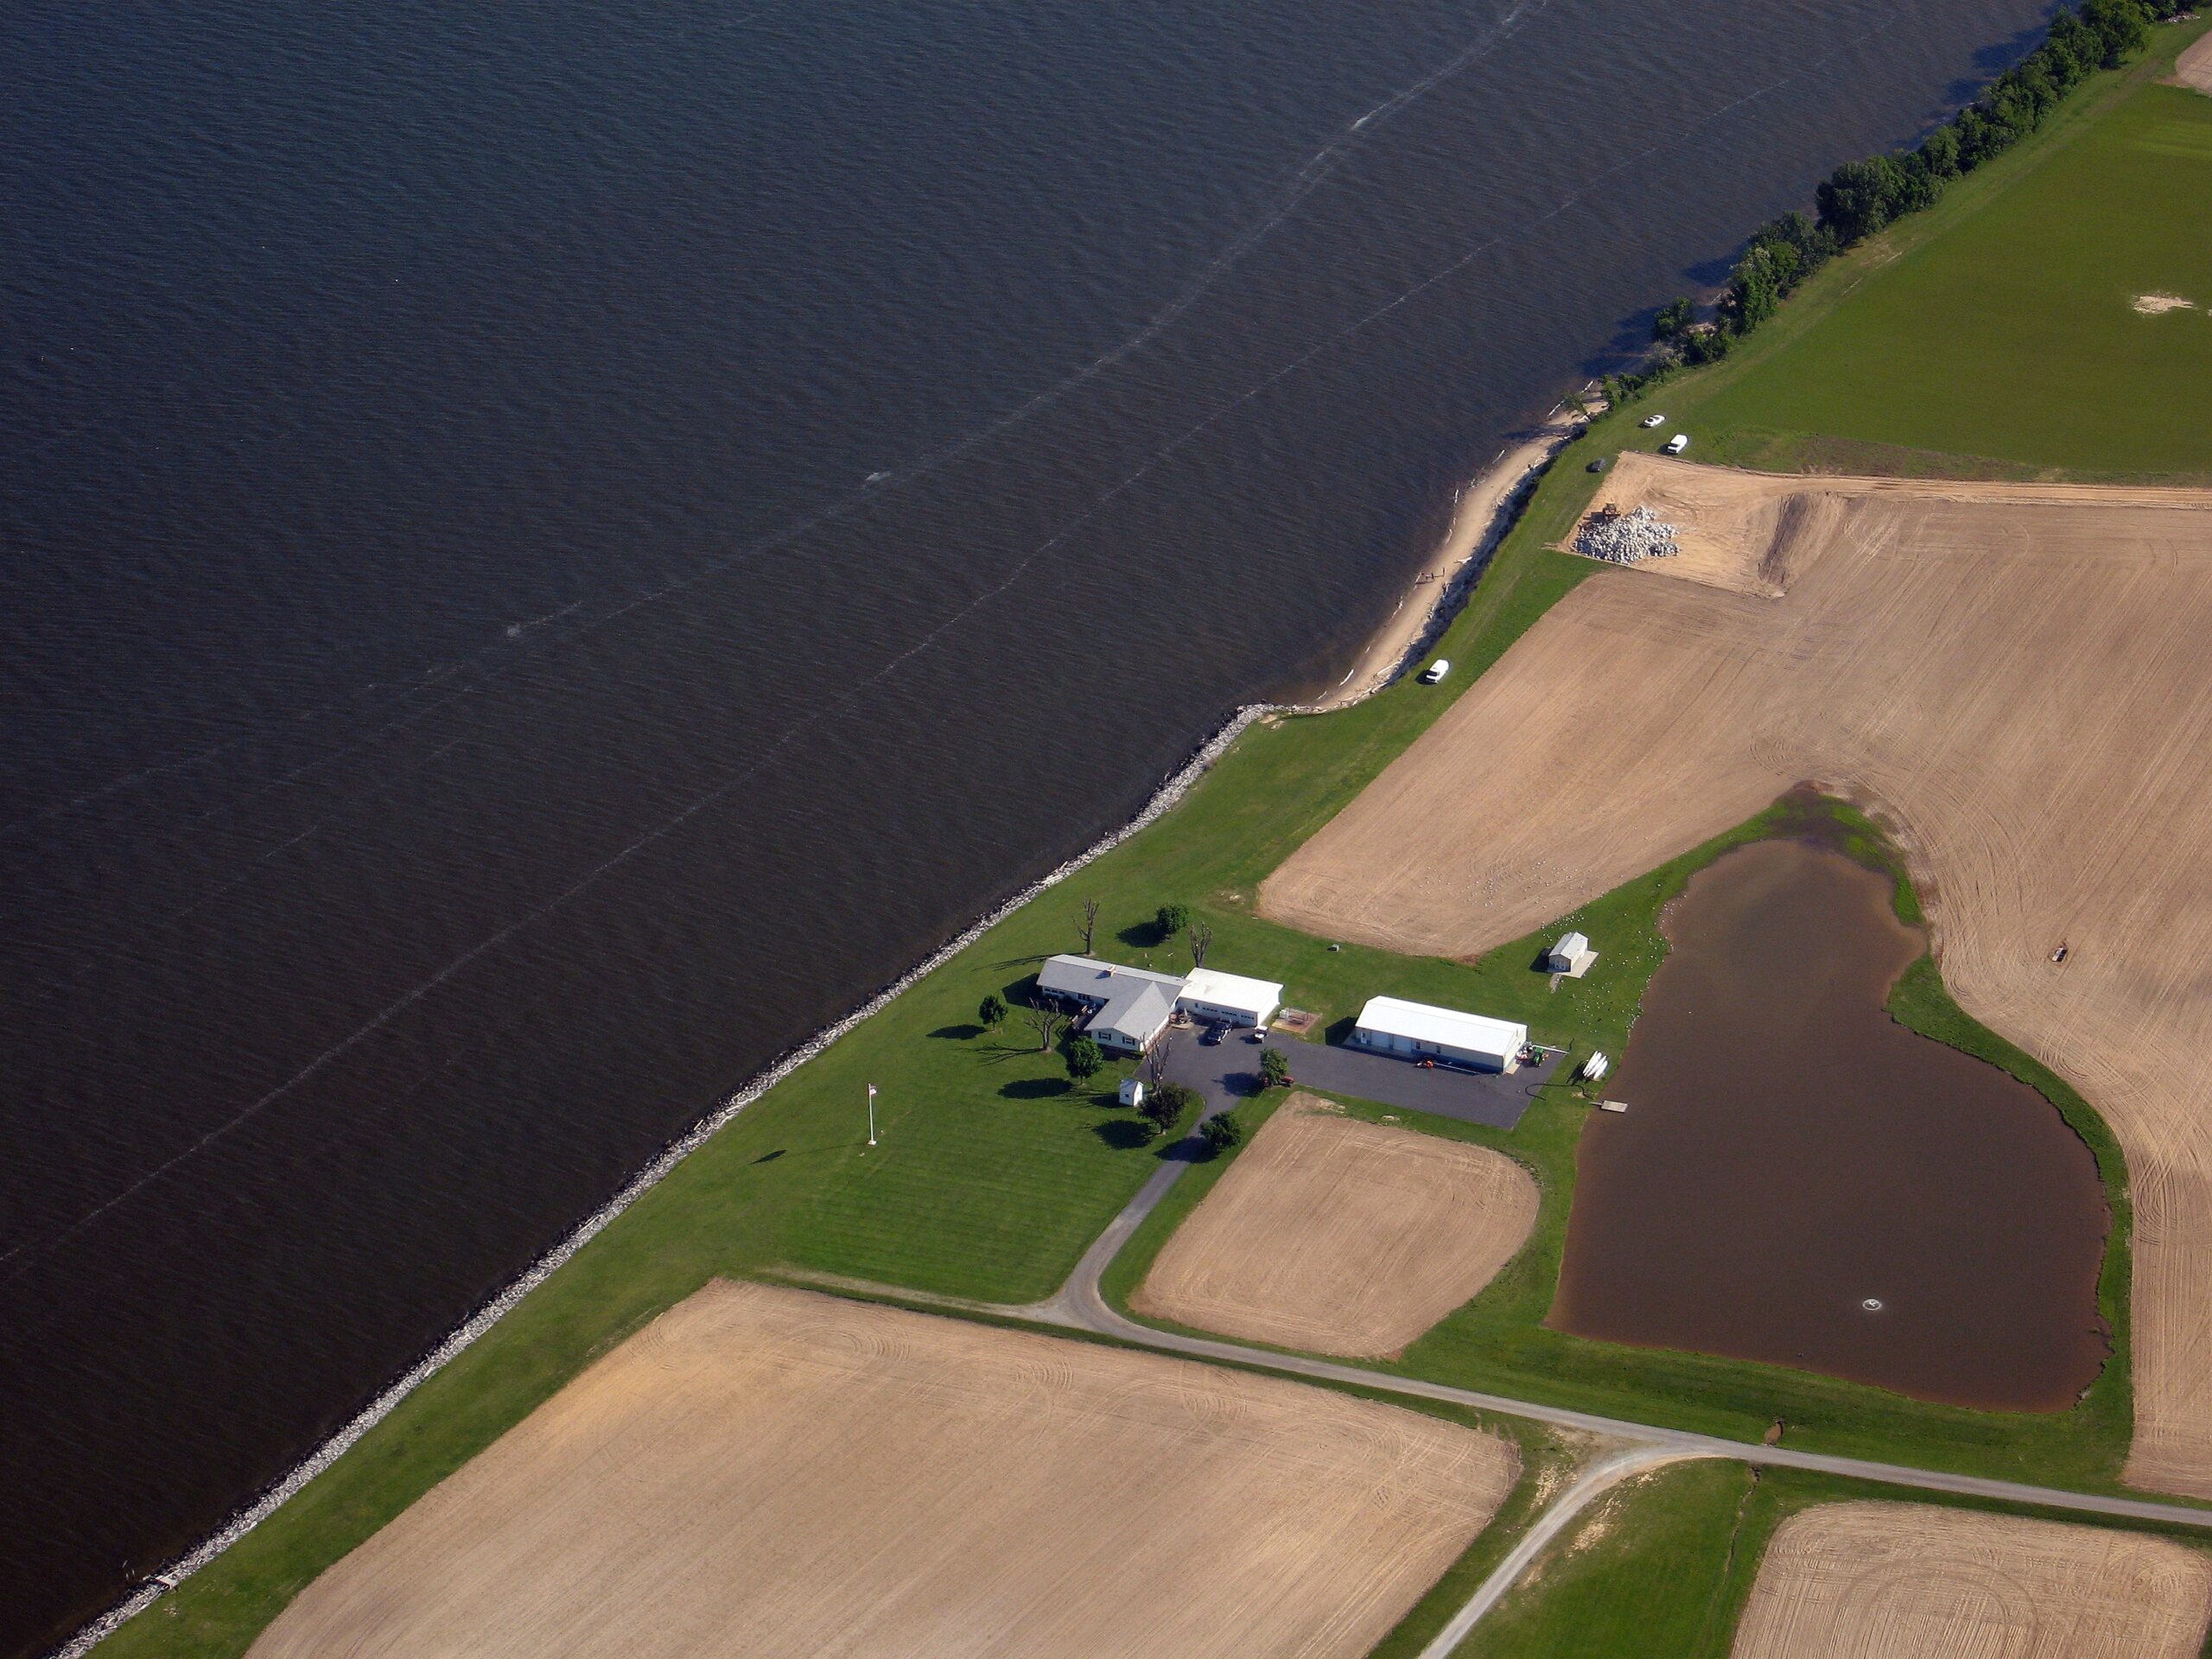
1478	523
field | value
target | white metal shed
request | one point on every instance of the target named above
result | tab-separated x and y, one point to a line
1420	1031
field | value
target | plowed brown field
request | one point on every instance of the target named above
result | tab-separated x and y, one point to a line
1909	1581
1341	1237
2018	676
772	1472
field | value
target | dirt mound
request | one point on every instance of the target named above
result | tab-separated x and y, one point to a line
1341	1237
1910	1582
2020	676
772	1472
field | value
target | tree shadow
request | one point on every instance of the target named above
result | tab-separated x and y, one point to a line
770	1157
1036	1088
1188	1149
1123	1133
958	1033
1143	936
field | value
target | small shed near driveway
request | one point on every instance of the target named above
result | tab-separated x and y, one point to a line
1572	956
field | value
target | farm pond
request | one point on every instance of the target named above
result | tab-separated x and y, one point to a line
1800	1179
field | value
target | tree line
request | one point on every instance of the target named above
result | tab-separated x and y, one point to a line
1860	198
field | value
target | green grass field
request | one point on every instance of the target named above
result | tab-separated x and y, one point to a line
1644	1575
1662	1569
991	1178
2013	336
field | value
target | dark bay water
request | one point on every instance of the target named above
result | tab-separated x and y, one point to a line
1790	1153
466	707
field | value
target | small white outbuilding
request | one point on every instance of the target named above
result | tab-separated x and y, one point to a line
1572	956
1131	1092
1418	1031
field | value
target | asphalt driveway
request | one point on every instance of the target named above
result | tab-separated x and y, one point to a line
1229	1070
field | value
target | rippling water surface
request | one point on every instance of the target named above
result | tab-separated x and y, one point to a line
546	549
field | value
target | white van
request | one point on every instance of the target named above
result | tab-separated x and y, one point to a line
1675	445
1436	671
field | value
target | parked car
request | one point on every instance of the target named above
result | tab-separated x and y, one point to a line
1436	670
1675	445
1650	421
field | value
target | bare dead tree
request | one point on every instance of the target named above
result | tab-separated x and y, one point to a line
1091	907
1046	1019
1155	1063
1200	937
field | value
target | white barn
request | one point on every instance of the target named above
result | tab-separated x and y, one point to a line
1229	999
1420	1031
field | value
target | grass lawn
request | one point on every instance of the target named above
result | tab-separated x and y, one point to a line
1643	1574
2013	336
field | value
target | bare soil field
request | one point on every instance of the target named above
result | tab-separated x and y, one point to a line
1341	1237
1911	1581
770	1472
2193	68
2018	677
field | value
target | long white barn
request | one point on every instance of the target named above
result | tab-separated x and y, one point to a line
1420	1031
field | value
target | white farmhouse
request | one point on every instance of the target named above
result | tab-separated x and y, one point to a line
1127	1007
1420	1031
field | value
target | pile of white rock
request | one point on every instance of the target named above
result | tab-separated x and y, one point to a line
1627	538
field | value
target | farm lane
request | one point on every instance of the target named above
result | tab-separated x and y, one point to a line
1590	1484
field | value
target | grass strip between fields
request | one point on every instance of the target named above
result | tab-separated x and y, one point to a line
1661	1568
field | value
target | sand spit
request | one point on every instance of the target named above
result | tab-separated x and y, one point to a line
1478	523
1339	1237
2157	305
2018	676
771	1472
1911	1581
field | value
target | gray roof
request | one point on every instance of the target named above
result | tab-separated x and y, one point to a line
1098	981
1136	1011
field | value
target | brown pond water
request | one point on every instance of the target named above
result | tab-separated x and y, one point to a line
1790	1151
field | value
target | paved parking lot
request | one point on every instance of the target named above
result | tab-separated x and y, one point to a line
1229	1070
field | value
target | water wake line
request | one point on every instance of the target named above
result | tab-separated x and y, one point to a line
1302	183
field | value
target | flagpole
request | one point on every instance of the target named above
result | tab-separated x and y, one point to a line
871	1114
